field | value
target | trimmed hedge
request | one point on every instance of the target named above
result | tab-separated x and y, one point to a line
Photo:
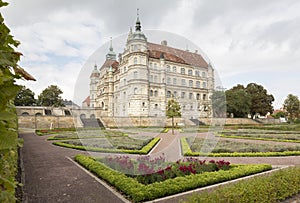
257	138
274	187
145	150
186	151
138	192
53	131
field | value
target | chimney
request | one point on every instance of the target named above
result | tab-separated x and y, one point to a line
164	43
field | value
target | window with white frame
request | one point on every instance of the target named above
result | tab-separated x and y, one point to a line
135	60
190	72
197	73
155	78
182	95
182	70
203	74
135	74
183	82
174	69
174	81
190	83
168	80
198	84
204	84
168	68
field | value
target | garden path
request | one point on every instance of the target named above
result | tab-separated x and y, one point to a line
51	177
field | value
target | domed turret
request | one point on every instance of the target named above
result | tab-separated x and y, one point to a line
111	54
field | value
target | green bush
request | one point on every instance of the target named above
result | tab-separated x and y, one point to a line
274	187
138	192
145	150
186	151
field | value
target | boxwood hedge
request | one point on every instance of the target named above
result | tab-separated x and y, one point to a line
145	150
186	151
274	187
138	192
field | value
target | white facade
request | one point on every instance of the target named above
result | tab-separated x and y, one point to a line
147	75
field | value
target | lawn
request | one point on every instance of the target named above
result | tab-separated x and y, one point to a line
229	146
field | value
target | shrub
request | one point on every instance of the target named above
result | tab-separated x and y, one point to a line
274	187
145	150
138	192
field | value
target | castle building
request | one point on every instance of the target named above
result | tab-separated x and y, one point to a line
146	75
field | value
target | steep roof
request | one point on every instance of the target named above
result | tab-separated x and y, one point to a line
176	55
114	64
87	101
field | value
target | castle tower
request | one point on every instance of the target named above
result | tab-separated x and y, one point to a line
93	86
136	74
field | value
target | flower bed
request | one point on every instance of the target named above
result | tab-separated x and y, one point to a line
53	131
187	151
139	192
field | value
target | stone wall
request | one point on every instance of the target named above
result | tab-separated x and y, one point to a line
45	122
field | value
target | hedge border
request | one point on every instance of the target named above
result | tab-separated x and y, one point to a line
138	192
258	138
186	151
274	187
145	150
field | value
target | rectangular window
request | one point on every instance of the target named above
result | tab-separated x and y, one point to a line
182	95
191	96
204	96
190	83
151	78
182	71
174	81
198	84
135	74
168	80
203	74
168	68
190	72
155	78
204	84
197	73
198	96
183	83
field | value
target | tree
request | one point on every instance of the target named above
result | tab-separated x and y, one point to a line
51	97
25	97
261	101
238	101
292	107
218	99
173	110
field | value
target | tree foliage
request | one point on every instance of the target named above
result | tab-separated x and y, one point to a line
51	97
238	101
261	101
218	99
292	107
25	97
9	72
253	100
173	110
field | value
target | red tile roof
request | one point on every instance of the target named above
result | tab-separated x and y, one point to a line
176	55
114	64
87	101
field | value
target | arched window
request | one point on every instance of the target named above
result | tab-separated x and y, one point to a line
155	106
151	93
155	93
168	68
190	83
92	116
25	114
82	116
168	94
135	90
102	105
135	74
190	72
174	69
175	94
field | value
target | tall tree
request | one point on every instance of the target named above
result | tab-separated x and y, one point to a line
238	101
172	111
261	101
218	99
25	97
51	97
292	107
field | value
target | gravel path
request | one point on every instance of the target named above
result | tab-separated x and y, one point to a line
51	177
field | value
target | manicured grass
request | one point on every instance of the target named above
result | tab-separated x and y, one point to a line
274	187
278	127
138	192
53	131
144	150
217	152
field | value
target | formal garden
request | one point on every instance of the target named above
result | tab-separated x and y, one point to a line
144	178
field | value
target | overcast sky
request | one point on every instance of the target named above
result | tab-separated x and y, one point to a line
246	40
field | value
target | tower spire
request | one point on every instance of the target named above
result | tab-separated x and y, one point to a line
138	23
110	47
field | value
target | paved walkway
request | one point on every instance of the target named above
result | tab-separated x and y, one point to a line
51	177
